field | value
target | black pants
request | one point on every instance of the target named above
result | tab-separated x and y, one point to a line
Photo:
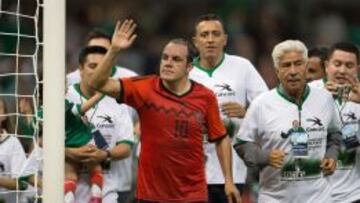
217	192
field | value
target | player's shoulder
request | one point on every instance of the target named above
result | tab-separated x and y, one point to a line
73	90
320	93
73	77
145	78
124	72
265	97
317	83
200	87
235	59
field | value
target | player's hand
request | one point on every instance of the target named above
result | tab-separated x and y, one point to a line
354	95
233	109
276	158
328	166
78	154
331	87
232	193
124	35
95	156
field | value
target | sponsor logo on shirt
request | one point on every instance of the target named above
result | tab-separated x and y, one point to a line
350	116
107	122
317	125
224	90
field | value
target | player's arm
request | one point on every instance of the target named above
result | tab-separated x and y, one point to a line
90	103
217	134
120	151
223	151
8	183
252	154
123	37
333	140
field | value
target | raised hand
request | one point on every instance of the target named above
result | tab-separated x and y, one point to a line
354	95
124	35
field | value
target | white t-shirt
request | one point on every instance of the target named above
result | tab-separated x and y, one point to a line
268	123
235	79
12	158
344	188
116	72
114	122
33	166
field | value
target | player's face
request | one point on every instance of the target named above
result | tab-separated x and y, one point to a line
174	65
2	111
314	70
291	72
101	42
341	64
210	39
25	105
92	60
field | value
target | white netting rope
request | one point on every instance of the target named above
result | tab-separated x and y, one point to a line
11	13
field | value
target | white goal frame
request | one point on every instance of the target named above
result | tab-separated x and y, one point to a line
53	100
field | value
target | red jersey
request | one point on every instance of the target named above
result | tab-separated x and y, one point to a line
171	163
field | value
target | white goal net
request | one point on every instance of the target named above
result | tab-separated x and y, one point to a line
22	55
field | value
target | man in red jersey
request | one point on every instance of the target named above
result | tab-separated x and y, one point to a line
174	114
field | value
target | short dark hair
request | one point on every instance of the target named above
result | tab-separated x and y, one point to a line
97	33
191	51
344	46
90	50
208	17
321	53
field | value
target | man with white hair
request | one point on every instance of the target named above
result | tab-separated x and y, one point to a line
291	133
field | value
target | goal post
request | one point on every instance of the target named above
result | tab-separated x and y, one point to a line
53	99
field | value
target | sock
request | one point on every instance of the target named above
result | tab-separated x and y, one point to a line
70	187
96	180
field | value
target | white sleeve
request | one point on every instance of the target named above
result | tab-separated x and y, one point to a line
33	163
249	127
123	126
18	158
255	84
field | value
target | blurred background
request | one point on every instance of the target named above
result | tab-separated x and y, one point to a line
254	26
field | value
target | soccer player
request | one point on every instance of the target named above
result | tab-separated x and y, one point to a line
174	112
98	37
292	132
114	123
343	63
235	82
12	158
316	63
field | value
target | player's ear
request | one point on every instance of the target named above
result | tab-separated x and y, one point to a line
194	41
189	67
225	39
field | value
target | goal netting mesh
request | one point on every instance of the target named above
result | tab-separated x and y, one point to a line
20	95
